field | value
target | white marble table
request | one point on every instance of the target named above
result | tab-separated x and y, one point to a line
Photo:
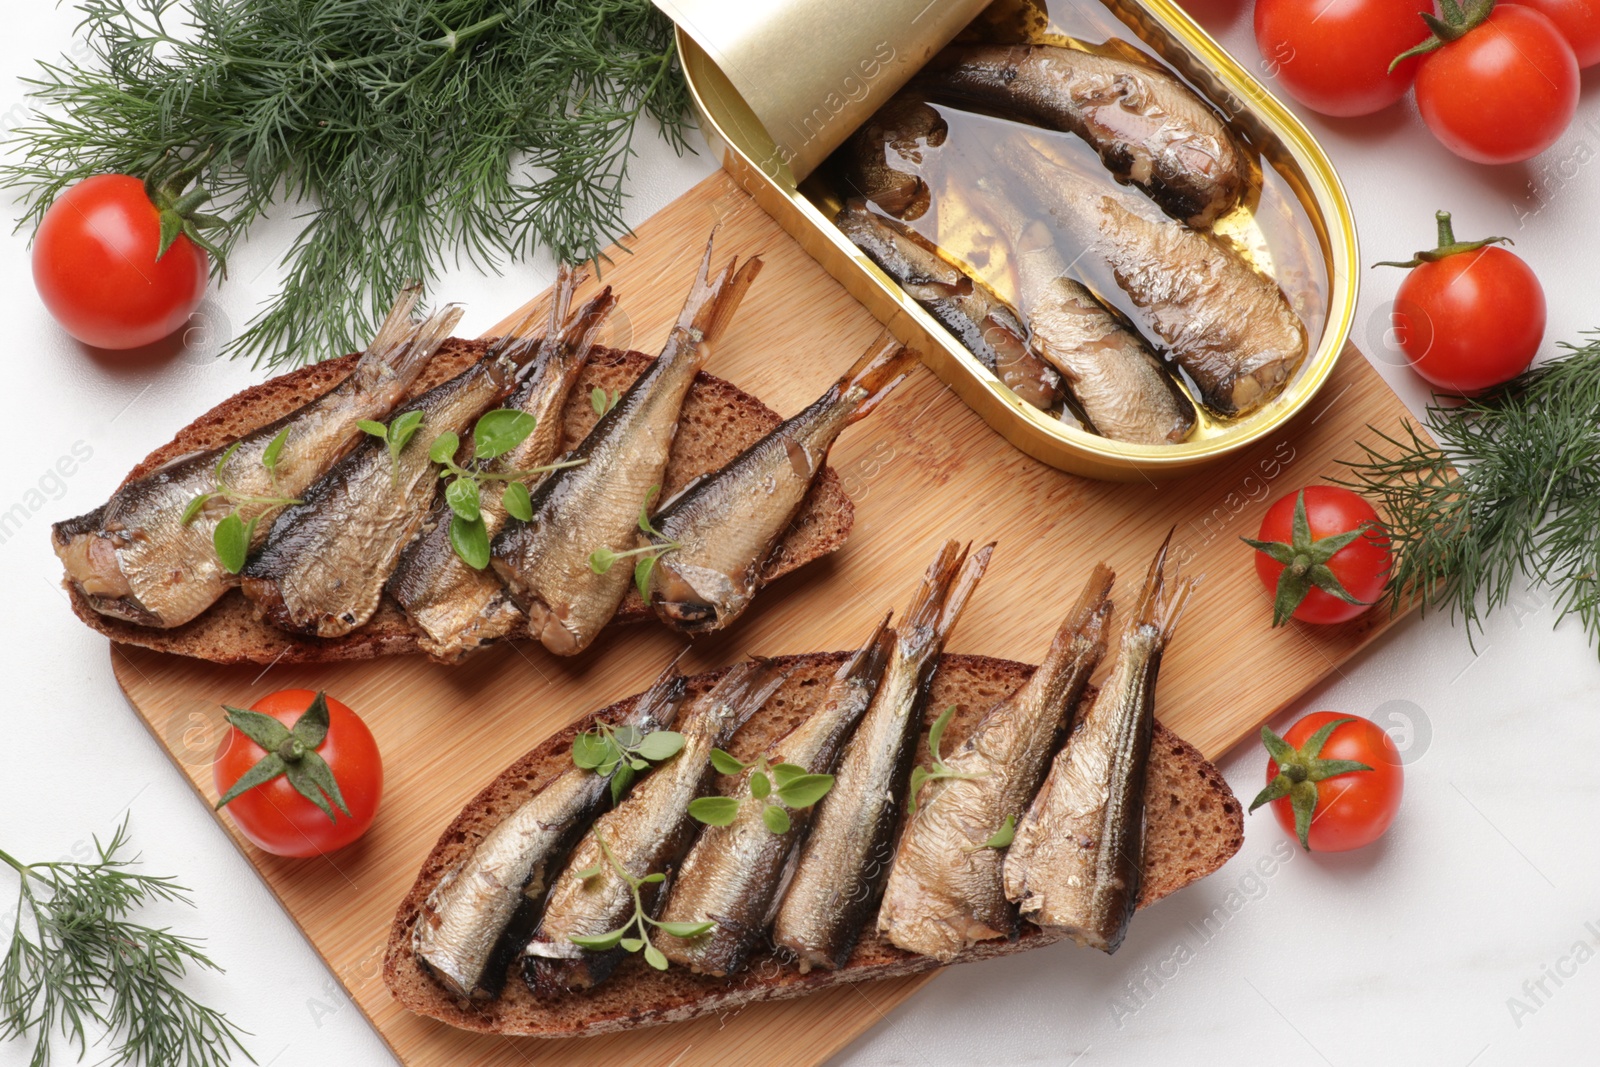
1463	937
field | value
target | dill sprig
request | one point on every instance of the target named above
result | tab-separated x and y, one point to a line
1511	490
407	132
85	964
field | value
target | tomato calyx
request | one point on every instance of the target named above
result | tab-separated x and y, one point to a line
1456	23
1305	563
291	752
178	209
1299	771
1448	245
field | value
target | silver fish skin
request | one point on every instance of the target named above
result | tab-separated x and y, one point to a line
458	609
1225	323
1148	127
324	565
945	891
545	562
725	525
732	874
985	325
1076	862
846	856
467	933
133	558
1119	385
646	834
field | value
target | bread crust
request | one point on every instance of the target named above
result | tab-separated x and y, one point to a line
1193	825
719	421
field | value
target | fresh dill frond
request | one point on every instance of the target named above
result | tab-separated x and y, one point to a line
405	134
76	961
1511	490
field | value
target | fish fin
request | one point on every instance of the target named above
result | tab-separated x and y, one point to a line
658	705
397	325
755	689
919	624
871	658
413	354
971	573
882	367
712	301
518	343
577	335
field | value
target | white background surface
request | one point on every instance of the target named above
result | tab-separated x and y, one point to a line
1410	951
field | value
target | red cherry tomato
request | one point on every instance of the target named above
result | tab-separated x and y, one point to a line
1352	809
276	817
1471	319
1579	23
95	265
1333	55
1505	91
1360	566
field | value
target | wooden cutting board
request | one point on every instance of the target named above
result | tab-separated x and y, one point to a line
923	468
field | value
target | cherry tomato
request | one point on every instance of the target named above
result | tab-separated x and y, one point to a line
1333	55
274	815
1359	567
1579	23
1470	319
95	265
1505	91
1353	808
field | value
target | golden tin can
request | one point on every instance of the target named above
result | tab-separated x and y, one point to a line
815	70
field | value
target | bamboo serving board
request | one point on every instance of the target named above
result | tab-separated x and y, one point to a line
923	468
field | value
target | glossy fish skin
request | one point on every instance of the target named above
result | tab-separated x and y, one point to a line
134	559
733	872
1148	128
981	321
1225	323
545	562
945	891
459	609
1118	383
468	930
845	857
727	524
324	565
647	833
1075	863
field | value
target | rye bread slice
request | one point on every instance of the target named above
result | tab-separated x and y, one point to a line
1193	824
719	421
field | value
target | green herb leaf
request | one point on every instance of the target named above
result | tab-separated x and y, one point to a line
627	735
760	785
632	944
402	429
470	539
654	958
1003	837
685	930
653	879
600	942
501	430
444	448
590	750
644	512
919	775
776	819
601	559
274	451
641	575
462	496
376	429
192	511
587	873
517	502
806	790
597	400
232	542
714	811
936	732
222	460
660	745
725	763
620	781
784	773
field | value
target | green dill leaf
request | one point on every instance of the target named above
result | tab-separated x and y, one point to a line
462	496
776	819
232	543
517	502
725	763
470	539
714	811
659	745
274	452
443	449
498	432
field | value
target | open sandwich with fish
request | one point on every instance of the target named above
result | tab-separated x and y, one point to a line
436	495
790	824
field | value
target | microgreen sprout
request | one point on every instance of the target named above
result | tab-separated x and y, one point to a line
601	559
603	401
634	934
1001	838
922	775
784	787
621	752
233	533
